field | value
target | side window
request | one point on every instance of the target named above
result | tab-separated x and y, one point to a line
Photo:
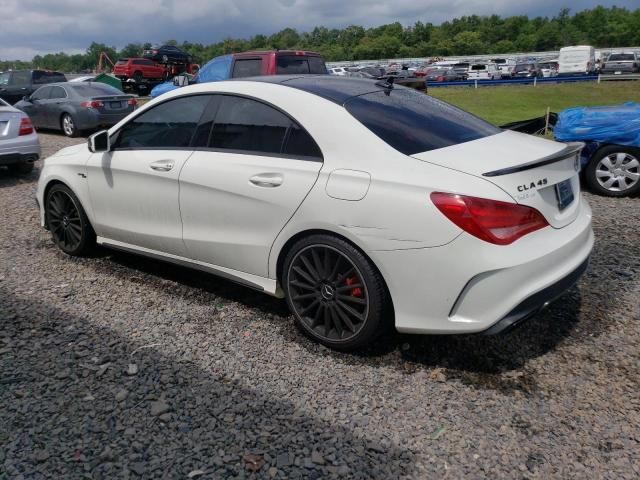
249	125
21	78
169	125
300	143
249	67
245	124
316	65
57	92
41	94
138	62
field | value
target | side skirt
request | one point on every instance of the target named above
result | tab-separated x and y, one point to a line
266	285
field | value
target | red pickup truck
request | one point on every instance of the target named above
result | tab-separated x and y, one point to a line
139	69
278	62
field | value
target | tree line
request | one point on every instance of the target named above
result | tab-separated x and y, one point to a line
468	35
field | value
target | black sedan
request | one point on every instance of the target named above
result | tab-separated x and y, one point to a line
167	54
444	75
73	107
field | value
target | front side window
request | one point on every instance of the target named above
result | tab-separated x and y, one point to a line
4	78
21	78
412	122
249	67
41	94
168	125
244	124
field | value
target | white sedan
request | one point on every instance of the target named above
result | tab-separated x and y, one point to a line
363	204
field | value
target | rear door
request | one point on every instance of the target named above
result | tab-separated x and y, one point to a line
134	188
239	190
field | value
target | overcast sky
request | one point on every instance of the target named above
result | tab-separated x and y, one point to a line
30	27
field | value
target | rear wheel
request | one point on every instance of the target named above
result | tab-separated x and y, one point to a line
337	296
68	126
138	77
68	223
614	171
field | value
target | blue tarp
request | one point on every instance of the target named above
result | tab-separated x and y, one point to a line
216	69
619	124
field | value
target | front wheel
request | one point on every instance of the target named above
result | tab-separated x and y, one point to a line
68	222
614	171
336	295
69	126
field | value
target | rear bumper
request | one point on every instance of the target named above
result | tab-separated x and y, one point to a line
13	158
468	286
536	302
92	119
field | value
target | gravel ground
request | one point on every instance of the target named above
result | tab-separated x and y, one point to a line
122	367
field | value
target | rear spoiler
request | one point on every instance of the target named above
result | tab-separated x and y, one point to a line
570	150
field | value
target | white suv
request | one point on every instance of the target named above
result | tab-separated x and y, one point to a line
483	71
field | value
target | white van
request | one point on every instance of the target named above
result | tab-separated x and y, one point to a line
578	60
483	71
506	66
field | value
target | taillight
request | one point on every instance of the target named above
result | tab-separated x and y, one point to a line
132	101
26	127
92	104
493	221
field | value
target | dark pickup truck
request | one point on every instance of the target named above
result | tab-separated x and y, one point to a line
17	84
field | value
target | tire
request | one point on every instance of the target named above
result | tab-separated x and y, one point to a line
337	296
614	171
138	77
68	223
68	126
21	168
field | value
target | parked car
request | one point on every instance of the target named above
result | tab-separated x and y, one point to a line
483	71
611	156
139	69
505	65
249	64
443	75
462	69
577	60
527	70
167	54
362	203
74	107
619	63
548	69
19	144
341	71
16	84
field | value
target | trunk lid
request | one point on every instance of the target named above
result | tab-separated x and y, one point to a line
539	173
114	104
9	122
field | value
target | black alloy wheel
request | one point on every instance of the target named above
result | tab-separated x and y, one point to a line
67	221
334	292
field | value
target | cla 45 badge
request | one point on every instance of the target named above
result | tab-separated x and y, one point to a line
533	185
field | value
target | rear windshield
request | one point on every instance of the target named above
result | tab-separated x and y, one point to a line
412	122
293	64
94	89
621	56
122	61
478	67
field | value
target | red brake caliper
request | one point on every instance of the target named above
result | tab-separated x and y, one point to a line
355	292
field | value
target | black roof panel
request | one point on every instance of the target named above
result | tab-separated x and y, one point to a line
332	87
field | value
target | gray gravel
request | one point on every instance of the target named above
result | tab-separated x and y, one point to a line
122	367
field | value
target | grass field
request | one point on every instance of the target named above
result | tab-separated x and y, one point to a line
509	103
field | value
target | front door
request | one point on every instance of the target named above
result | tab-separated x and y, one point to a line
134	188
237	194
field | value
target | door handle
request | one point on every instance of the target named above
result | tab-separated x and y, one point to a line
268	180
162	165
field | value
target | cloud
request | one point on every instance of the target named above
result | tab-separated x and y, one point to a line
44	26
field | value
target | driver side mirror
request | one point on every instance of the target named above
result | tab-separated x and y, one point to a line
180	81
99	142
